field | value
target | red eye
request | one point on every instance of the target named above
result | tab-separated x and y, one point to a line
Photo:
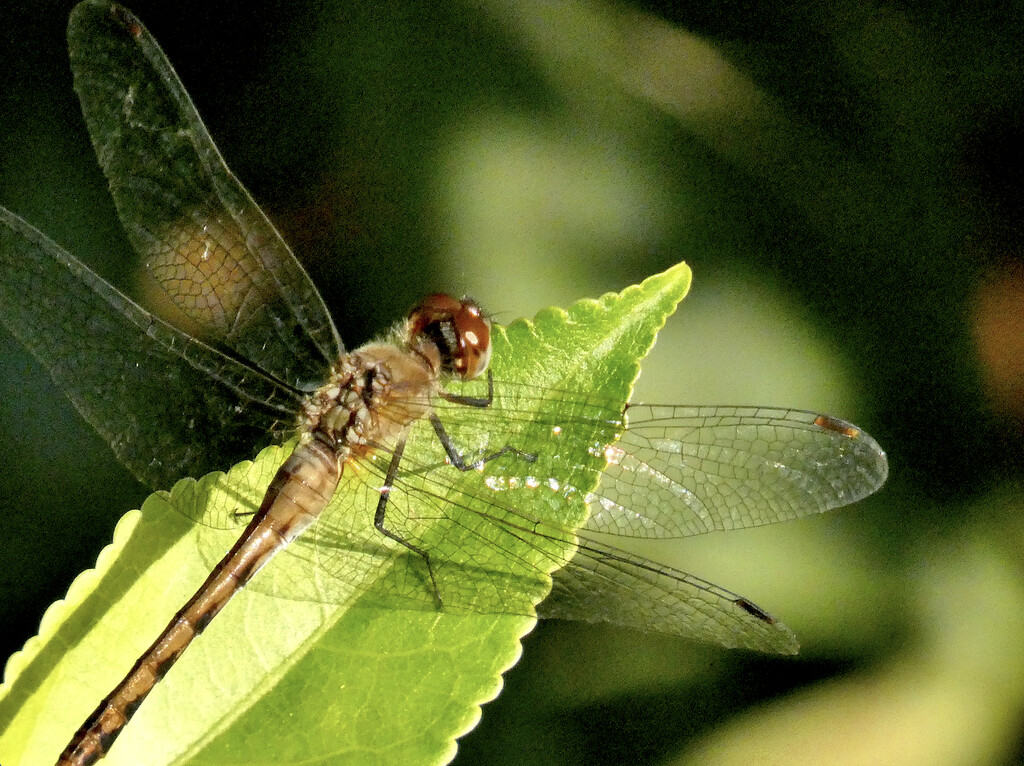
459	330
474	341
434	308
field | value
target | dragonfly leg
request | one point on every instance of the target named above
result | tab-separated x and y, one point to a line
459	461
473	401
379	516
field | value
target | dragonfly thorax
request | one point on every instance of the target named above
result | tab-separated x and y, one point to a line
373	395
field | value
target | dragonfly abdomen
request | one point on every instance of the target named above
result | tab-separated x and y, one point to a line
300	491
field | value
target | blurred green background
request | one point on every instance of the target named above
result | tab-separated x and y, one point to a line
845	181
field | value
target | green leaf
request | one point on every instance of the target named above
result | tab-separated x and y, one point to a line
301	680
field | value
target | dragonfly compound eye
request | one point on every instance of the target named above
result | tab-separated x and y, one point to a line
473	334
458	329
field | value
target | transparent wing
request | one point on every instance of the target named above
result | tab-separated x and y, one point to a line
169	405
494	534
197	230
680	471
603	584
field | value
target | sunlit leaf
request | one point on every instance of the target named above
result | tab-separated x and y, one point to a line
288	680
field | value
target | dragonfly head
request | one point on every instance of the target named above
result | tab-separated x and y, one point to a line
457	329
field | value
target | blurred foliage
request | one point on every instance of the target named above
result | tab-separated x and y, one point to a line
844	179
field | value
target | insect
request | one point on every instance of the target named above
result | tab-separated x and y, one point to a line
262	359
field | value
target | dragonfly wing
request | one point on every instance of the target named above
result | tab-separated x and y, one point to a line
169	405
199	233
679	471
603	584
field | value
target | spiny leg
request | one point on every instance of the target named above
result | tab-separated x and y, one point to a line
480	402
459	461
378	518
473	401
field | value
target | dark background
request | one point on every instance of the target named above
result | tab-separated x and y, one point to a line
844	181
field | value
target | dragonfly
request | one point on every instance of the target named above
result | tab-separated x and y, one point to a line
400	445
